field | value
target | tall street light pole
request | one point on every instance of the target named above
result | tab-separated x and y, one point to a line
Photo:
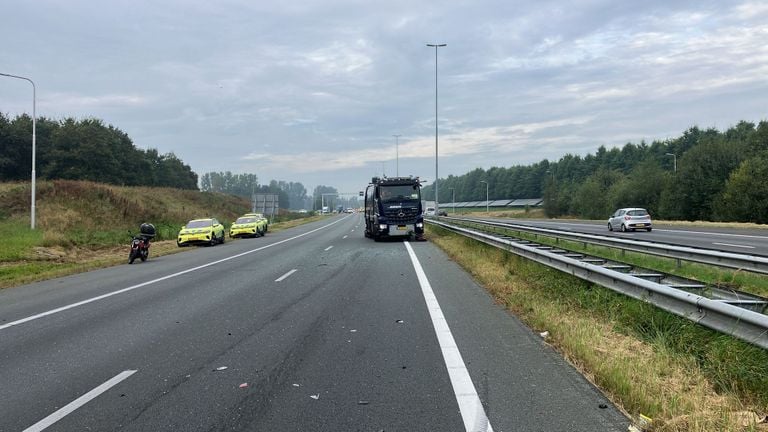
34	130
397	154
674	159
437	205
486	195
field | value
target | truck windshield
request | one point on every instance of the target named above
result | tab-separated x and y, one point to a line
399	193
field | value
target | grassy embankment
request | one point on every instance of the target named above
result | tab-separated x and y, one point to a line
684	376
85	225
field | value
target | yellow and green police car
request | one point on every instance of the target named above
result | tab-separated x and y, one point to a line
248	226
261	217
201	231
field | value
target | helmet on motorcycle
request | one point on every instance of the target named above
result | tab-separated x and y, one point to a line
147	230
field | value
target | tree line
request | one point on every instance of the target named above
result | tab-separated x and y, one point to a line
291	195
85	150
704	174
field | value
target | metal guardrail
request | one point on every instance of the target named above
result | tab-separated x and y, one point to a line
744	324
751	263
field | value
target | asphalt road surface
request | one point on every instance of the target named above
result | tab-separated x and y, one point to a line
315	328
735	240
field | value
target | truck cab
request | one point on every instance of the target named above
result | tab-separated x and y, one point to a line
393	208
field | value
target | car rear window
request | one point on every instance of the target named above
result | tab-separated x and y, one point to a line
637	213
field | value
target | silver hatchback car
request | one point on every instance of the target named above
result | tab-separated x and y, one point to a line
630	219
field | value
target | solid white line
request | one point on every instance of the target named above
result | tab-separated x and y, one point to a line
471	408
329	248
285	275
77	403
131	288
734	245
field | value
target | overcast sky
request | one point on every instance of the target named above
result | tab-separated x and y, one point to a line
313	91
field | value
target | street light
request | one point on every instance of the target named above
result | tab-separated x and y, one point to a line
397	154
674	160
453	199
486	195
34	129
322	202
437	205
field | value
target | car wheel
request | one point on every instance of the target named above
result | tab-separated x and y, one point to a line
213	240
222	238
623	228
610	227
648	229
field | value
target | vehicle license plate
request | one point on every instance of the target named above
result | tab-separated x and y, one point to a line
402	227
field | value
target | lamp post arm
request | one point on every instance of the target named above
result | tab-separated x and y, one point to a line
34	141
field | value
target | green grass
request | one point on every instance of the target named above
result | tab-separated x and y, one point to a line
18	239
732	366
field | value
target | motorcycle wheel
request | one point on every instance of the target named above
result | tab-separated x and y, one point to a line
132	256
144	255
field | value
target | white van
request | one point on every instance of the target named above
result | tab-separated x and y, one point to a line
430	211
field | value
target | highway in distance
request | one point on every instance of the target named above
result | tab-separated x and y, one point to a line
312	328
748	241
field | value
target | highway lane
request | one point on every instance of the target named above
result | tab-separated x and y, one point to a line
735	240
326	329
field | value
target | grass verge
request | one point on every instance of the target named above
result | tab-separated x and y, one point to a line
686	377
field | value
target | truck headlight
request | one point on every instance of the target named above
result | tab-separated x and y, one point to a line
419	225
382	226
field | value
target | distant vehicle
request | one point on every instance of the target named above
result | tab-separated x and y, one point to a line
350	210
201	231
630	219
393	208
302	211
442	213
339	209
326	209
430	211
248	226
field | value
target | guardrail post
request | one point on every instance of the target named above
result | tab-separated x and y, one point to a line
679	263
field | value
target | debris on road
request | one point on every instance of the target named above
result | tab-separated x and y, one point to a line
399	321
315	397
544	334
296	385
362	402
220	368
243	385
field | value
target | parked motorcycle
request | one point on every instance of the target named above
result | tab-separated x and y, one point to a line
140	243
